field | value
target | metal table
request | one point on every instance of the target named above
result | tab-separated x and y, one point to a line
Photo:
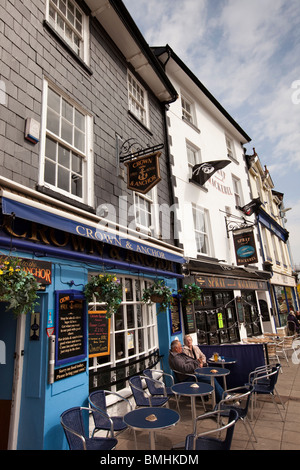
193	390
151	419
209	372
222	361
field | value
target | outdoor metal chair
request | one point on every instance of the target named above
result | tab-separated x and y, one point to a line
75	423
266	385
142	397
103	421
238	399
272	353
159	383
205	441
286	345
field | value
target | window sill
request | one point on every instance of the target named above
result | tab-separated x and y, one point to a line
65	199
191	125
198	185
139	122
66	46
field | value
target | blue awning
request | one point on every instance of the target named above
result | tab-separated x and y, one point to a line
86	229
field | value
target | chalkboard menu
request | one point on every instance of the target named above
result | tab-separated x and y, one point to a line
99	334
175	320
70	327
189	319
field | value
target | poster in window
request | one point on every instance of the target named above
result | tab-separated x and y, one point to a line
99	334
175	320
70	327
189	318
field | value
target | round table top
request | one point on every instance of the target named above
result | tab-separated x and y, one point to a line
224	360
192	388
210	371
151	418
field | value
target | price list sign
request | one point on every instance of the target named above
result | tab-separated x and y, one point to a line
70	329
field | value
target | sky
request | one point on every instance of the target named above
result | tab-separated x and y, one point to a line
247	54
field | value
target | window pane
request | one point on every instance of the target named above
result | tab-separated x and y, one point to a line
119	319
52	121
63	179
79	140
76	185
49	172
53	101
63	156
76	163
130	316
50	149
67	131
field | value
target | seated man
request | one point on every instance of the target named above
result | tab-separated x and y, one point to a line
294	320
184	364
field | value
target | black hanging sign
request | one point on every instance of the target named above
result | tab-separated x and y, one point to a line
143	173
175	320
189	318
203	171
245	249
252	207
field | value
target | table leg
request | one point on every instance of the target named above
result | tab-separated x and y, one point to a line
212	382
224	379
152	440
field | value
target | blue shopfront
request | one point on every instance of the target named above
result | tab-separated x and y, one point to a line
46	364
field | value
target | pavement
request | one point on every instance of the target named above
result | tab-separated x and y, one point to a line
270	431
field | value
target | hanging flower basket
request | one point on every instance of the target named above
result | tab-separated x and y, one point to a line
190	293
18	288
159	293
106	288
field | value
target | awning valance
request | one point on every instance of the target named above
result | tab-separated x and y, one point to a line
59	219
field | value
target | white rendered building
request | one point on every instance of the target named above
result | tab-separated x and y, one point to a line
210	215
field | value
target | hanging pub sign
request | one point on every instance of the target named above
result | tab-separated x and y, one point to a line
252	207
143	173
244	245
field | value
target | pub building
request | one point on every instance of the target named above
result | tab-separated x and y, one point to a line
229	309
68	348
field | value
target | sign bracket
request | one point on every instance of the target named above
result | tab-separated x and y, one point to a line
131	149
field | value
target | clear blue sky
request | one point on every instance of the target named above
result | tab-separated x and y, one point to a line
247	53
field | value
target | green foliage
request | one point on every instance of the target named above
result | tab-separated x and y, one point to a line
158	292
106	288
18	288
190	293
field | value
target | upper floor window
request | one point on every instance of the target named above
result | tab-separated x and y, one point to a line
201	228
144	212
138	100
193	156
188	110
71	24
237	191
66	159
230	148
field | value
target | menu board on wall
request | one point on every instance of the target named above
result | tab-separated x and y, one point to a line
175	320
189	319
99	334
70	327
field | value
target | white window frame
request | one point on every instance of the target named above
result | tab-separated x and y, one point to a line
144	327
237	191
86	153
202	233
188	110
146	204
138	102
230	147
56	15
193	156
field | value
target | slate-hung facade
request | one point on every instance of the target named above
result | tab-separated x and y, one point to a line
79	86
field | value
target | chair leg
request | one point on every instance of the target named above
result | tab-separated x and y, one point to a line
277	407
247	423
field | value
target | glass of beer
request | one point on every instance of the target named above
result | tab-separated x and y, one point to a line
216	356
